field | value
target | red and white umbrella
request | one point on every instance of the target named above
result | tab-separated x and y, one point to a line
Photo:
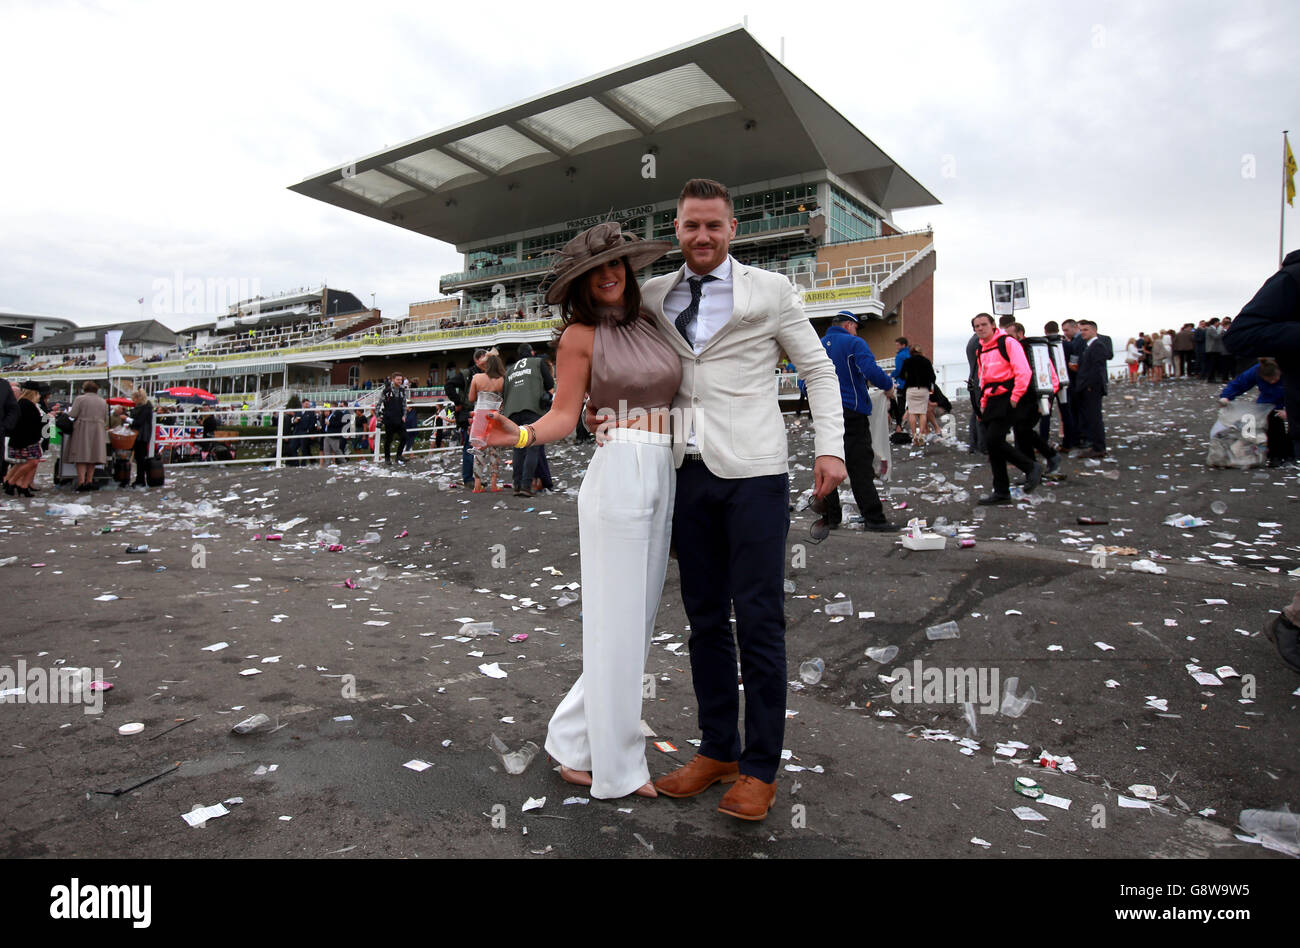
195	396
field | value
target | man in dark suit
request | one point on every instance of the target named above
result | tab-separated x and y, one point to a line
1072	346
8	418
1269	325
1089	387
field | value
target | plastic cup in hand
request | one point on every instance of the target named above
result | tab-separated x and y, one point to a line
478	429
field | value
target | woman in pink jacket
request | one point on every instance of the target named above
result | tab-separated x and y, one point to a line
1003	380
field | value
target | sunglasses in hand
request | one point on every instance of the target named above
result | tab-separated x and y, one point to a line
820	529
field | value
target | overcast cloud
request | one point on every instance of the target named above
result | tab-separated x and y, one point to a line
1123	157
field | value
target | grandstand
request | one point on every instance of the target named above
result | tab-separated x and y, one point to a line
814	198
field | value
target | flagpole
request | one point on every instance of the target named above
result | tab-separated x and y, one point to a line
1281	213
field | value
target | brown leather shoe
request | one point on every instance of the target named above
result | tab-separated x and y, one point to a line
749	799
697	776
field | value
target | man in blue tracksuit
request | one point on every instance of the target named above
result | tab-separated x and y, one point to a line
856	366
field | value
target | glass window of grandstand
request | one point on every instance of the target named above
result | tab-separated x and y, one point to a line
663	225
849	220
776	203
354	376
496	256
534	246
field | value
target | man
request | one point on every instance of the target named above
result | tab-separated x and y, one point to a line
977	445
8	419
728	322
410	423
1090	388
1003	381
1025	427
528	380
333	436
392	404
902	350
1214	352
1270	325
1052	333
1073	346
306	425
855	366
1199	335
1184	347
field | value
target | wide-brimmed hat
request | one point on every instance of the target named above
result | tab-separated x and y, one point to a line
31	385
595	246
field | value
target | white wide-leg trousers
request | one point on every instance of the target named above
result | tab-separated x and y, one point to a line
625	511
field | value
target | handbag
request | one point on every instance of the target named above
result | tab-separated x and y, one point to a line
64	422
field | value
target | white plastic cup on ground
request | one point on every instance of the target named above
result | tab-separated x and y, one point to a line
944	630
810	672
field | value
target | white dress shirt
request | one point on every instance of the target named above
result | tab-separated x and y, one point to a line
716	303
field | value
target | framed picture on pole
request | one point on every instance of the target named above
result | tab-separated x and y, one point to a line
1020	294
1002	297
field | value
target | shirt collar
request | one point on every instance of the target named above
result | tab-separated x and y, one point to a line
721	272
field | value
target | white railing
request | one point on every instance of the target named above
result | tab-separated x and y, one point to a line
287	447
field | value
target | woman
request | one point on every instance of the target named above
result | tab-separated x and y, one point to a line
1267	376
487	459
1159	353
609	347
1132	357
87	446
142	422
25	443
917	374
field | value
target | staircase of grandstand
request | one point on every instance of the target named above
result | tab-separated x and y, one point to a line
878	269
272	400
365	321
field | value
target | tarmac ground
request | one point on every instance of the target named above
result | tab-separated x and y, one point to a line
359	681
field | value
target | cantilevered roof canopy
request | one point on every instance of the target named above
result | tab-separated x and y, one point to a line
720	107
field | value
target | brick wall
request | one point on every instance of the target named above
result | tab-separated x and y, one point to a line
433	308
916	317
836	255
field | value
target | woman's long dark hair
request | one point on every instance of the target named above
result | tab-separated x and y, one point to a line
578	306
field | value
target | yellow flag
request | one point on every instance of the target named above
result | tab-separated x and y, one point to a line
1288	172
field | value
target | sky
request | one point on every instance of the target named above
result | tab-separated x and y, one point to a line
1125	158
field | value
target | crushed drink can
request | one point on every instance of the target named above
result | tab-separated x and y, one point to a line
967	543
1027	787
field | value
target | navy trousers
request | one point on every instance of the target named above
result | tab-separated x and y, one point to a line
730	536
1092	429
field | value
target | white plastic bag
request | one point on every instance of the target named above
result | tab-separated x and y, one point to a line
1239	436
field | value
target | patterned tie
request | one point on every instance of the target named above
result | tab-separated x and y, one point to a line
687	316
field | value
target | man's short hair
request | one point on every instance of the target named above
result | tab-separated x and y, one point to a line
902	341
479	353
1069	322
1005	321
1087	322
981	316
1018	328
1051	326
525	351
706	189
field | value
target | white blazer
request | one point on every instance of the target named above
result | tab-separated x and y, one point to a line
728	390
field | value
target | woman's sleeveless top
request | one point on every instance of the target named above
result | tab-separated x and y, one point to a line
633	368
